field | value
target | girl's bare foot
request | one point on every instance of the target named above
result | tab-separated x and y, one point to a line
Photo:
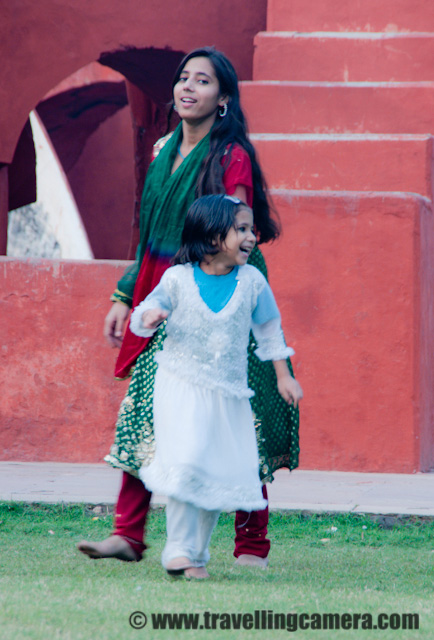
176	566
196	573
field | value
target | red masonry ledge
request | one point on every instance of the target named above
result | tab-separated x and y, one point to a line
354	162
339	107
343	57
352	274
350	15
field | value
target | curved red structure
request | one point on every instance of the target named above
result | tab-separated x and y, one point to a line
347	149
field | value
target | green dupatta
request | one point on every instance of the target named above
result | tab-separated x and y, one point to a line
165	201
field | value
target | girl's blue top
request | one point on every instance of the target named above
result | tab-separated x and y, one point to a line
216	291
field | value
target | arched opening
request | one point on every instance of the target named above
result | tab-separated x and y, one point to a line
101	123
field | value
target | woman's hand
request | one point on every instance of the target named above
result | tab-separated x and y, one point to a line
153	317
114	324
288	387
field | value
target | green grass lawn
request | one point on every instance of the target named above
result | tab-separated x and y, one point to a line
48	590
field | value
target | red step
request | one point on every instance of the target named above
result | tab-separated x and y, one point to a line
353	277
343	57
320	107
347	162
350	15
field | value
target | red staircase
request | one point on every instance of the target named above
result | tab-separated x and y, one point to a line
341	110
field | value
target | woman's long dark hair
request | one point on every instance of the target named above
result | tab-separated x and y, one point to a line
225	132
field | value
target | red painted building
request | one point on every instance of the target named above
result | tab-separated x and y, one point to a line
340	100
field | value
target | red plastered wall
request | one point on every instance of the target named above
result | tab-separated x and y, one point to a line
59	399
352	277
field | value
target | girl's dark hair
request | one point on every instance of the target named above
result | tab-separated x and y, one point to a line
208	222
225	132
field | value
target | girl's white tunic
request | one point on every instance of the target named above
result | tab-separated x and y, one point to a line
206	451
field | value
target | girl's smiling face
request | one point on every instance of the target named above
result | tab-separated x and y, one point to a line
240	240
197	94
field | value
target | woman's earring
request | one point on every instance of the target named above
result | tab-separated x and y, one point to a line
223	110
175	108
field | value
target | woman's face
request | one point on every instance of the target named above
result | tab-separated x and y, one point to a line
197	94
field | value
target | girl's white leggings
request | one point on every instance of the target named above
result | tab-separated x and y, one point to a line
189	531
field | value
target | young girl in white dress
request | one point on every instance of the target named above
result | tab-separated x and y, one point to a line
206	458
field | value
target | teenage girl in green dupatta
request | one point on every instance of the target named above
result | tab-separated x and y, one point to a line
209	152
